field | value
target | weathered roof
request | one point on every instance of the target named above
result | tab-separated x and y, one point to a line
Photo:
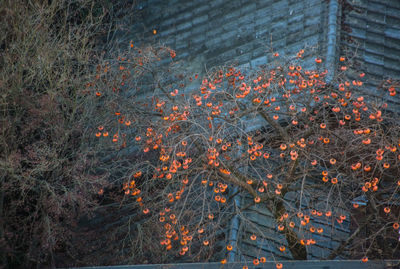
219	32
370	36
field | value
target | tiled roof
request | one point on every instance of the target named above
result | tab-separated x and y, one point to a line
221	32
370	35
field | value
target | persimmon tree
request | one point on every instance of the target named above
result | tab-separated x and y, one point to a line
301	147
